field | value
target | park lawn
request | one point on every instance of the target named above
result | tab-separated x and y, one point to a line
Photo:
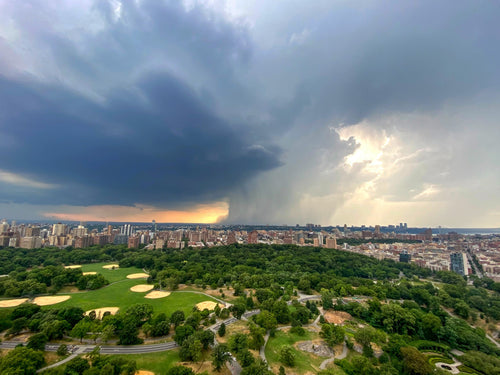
111	275
304	361
159	363
119	295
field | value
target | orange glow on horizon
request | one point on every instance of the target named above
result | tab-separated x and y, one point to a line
203	214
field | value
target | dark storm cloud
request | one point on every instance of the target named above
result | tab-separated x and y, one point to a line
160	102
131	115
154	144
361	59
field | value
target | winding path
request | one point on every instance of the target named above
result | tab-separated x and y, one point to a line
233	365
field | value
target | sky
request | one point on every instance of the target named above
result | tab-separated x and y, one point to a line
251	112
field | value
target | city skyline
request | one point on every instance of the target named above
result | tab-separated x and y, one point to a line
251	113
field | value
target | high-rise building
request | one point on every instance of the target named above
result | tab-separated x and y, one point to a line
127	230
83	242
459	263
120	239
59	229
80	231
4	226
404	257
253	237
428	234
231	238
133	242
331	243
32	231
30	243
4	241
159	244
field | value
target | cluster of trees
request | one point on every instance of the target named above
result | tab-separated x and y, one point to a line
239	345
22	283
246	266
413	310
95	364
49	324
415	322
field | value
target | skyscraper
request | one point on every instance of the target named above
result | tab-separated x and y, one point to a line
59	229
459	264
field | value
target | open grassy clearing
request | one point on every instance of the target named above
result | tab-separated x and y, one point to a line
239	327
159	363
119	295
111	275
304	362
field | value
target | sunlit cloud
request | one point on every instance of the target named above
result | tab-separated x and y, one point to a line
203	213
18	180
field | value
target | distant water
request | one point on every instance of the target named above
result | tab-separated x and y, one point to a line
467	230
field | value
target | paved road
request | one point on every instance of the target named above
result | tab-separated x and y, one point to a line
138	349
233	365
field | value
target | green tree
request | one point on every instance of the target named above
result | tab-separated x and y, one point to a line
245	358
206	338
180	370
287	356
332	334
177	317
222	330
62	350
414	362
258	368
220	356
21	360
37	341
327	299
238	342
266	320
80	329
238	309
128	334
462	309
77	366
430	326
191	349
182	333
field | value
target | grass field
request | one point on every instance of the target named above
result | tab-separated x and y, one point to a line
304	362
110	275
118	294
159	363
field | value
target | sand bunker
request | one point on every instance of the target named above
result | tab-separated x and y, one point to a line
73	267
210	305
100	312
141	288
12	302
111	266
138	276
337	317
144	372
89	273
157	294
45	301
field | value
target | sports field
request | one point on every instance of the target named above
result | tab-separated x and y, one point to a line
118	293
110	274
